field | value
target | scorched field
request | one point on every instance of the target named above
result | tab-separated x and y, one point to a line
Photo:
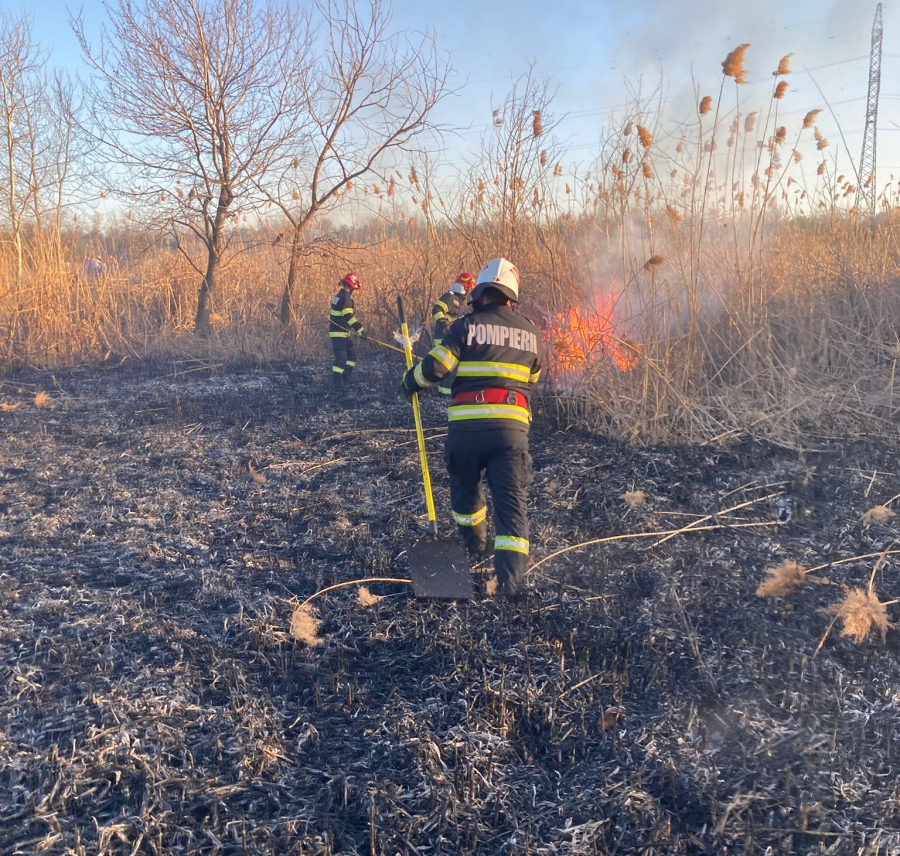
159	529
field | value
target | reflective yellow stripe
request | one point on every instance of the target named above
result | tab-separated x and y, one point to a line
443	305
535	376
444	357
420	378
507	370
470	519
510	542
339	312
351	363
444	391
337	369
336	335
459	412
437	342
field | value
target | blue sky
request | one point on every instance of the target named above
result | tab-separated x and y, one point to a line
590	48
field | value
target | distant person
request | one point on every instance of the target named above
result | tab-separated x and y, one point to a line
342	327
450	306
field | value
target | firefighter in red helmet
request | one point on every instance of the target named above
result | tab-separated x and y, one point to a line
343	327
496	354
448	307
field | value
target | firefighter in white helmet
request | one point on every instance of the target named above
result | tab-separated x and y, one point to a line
496	354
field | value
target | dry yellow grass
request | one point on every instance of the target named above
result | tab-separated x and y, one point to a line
633	498
366	598
305	625
877	514
490	586
259	478
783	580
861	612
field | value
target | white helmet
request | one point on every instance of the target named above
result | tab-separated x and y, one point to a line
501	274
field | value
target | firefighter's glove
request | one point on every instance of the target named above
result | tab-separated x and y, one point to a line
408	386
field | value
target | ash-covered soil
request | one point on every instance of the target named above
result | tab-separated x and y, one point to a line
158	529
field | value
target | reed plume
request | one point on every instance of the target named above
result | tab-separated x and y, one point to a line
810	118
780	89
733	66
750	123
705	104
784	66
644	136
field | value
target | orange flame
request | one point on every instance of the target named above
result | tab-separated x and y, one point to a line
583	336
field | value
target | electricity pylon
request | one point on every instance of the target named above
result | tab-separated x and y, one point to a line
866	189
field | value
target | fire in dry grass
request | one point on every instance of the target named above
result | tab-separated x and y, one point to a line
861	611
9	406
305	625
783	580
633	498
733	66
877	514
366	598
42	399
583	334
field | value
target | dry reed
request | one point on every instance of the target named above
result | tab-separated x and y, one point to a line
877	514
305	625
783	580
784	66
633	498
861	612
733	66
780	89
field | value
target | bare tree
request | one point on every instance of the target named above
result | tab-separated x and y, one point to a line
192	100
21	61
370	93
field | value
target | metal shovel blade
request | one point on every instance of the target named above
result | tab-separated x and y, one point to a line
440	569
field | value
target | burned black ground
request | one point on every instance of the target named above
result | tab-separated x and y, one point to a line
645	702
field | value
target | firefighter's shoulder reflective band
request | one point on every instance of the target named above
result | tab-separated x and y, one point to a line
510	542
335	334
457	413
470	519
513	371
420	378
444	357
440	304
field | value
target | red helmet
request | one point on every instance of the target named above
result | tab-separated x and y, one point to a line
351	281
466	280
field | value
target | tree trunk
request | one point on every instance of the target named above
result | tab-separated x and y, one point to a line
214	244
286	312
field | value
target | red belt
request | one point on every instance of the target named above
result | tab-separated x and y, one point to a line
491	396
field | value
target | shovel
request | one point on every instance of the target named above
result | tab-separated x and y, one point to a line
438	568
